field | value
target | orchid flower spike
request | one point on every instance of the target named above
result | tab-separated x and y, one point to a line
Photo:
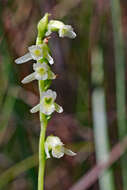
61	28
36	52
47	104
54	145
42	72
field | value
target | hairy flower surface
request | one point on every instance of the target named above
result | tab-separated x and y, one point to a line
47	103
61	28
36	52
42	72
54	145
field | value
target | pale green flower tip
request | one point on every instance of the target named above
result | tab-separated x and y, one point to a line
35	109
55	25
42	25
58	108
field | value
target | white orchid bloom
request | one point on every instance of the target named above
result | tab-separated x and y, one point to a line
61	28
54	145
42	72
36	52
47	104
67	31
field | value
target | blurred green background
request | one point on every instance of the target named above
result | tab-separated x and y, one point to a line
91	87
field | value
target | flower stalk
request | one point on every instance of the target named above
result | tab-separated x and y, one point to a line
42	158
47	105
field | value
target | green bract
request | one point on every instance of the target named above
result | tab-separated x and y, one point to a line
42	27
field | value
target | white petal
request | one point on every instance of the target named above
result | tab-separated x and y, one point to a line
34	55
35	108
50	59
67	31
47	151
29	78
69	152
49	93
38	64
23	59
47	109
41	77
57	153
58	108
71	34
53	141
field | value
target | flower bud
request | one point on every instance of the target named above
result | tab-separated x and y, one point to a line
42	27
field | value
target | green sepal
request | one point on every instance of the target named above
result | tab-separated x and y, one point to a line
48	117
47	84
44	85
45	49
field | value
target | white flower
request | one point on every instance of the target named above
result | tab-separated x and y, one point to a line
36	52
61	28
42	72
54	145
47	104
67	31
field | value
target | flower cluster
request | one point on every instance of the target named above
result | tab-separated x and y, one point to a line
42	72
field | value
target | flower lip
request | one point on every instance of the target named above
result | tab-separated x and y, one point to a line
48	100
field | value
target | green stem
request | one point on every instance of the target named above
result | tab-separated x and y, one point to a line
42	26
43	123
42	159
120	80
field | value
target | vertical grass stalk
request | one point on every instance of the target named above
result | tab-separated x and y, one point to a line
106	181
120	79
